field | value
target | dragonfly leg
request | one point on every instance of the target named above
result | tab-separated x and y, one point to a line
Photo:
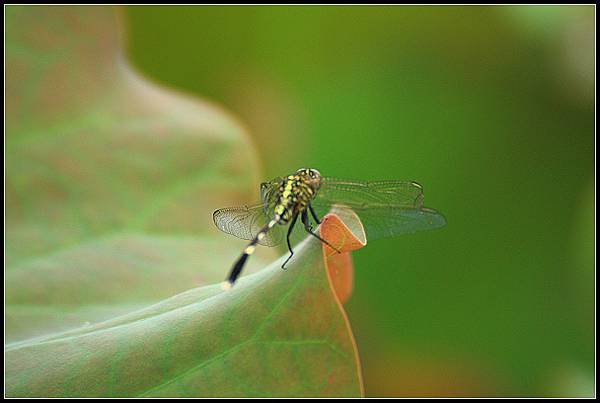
308	229
314	214
289	233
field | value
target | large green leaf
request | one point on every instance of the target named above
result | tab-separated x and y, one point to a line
276	333
110	185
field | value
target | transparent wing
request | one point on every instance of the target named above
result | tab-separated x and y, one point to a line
269	189
386	208
361	194
244	222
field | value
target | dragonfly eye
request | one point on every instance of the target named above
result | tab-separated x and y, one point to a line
314	173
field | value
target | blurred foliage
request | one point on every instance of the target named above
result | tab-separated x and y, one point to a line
110	186
103	172
490	108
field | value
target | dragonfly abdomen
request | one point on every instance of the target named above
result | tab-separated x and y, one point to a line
249	250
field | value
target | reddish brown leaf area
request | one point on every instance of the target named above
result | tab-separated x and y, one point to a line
339	265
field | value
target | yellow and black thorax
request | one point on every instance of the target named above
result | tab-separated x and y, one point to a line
293	193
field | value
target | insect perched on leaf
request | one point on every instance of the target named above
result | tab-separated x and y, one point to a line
386	208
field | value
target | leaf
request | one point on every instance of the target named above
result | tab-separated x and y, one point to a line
344	230
276	333
110	179
110	185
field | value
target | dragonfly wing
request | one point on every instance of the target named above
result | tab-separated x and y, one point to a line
269	190
246	221
386	208
385	221
361	194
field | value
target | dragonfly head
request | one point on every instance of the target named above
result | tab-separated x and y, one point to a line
310	176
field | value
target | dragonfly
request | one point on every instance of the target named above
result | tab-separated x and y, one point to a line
386	208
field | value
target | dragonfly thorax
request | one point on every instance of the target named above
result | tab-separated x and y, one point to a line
295	193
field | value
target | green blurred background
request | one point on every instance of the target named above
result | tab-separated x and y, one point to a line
491	109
